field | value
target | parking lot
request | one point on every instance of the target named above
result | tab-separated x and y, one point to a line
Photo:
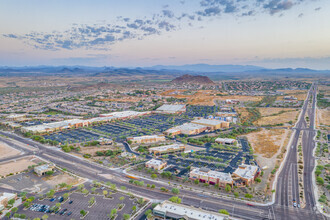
200	110
224	159
73	136
70	208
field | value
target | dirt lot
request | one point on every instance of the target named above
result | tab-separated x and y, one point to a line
267	141
299	94
16	166
62	178
270	111
323	117
206	97
280	118
6	151
92	150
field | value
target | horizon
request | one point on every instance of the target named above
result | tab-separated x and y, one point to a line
271	34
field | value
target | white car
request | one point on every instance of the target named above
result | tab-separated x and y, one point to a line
294	204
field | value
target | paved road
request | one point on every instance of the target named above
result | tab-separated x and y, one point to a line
286	187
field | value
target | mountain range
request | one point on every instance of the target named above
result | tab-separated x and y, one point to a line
194	69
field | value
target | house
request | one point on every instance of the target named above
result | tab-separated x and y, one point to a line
156	164
43	169
205	175
167	149
226	141
245	174
170	210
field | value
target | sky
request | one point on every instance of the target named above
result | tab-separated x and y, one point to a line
131	33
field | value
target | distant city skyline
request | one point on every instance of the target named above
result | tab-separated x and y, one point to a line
267	33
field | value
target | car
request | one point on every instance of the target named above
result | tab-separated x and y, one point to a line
57	211
52	199
69	213
298	205
294	204
249	204
71	202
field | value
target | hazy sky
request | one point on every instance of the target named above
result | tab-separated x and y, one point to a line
270	33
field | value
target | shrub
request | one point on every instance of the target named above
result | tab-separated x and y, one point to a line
223	211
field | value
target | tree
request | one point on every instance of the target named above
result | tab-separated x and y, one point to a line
175	199
134	208
153	176
228	188
65	196
153	186
236	194
319	180
14	210
11	202
83	212
8	214
58	205
248	196
122	198
91	201
44	217
113	213
258	180
175	191
126	216
105	193
223	211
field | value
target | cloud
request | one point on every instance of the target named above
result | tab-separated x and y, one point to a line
300	15
101	36
318	9
168	13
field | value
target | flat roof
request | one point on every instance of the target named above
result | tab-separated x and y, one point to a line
43	167
208	121
213	174
166	147
246	171
182	210
186	127
171	108
155	162
225	140
147	137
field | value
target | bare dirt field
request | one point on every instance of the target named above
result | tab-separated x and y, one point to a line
267	141
299	94
206	97
16	166
92	150
62	178
280	118
323	117
7	151
270	111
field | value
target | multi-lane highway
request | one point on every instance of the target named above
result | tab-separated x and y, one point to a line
286	190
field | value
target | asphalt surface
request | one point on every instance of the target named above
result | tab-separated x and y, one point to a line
287	185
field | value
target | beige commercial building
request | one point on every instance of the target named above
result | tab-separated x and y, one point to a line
212	177
212	124
226	141
187	128
146	139
42	169
173	148
245	174
156	164
5	197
